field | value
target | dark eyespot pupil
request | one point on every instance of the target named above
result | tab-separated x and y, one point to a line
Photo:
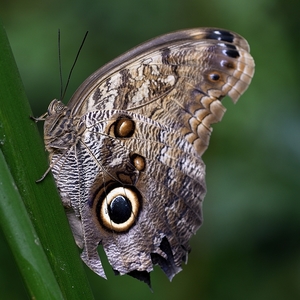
119	210
232	53
214	76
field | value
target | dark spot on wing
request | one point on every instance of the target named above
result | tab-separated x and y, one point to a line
231	53
165	53
220	35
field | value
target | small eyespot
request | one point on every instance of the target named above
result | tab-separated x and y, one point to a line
214	76
227	64
138	161
124	127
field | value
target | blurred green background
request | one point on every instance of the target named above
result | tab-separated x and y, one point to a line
249	245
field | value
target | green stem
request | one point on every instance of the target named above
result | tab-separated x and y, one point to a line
26	159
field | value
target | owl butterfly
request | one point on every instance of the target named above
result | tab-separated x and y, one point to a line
126	150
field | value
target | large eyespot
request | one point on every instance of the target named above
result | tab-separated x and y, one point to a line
118	209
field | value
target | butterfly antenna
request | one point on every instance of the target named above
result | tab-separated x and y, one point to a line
72	68
59	64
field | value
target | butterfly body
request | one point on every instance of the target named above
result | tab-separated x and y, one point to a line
126	150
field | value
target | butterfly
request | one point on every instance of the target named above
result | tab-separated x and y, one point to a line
126	150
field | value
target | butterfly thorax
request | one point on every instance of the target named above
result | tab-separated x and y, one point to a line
59	130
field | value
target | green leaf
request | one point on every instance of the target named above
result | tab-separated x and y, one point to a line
24	241
26	161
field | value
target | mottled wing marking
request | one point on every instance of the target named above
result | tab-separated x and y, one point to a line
175	81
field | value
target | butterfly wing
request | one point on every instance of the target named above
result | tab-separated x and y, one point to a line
126	151
180	74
